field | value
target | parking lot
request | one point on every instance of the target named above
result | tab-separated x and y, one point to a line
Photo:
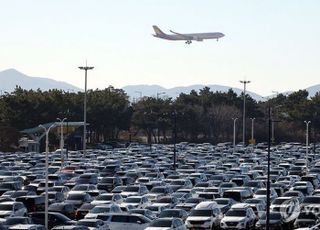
212	187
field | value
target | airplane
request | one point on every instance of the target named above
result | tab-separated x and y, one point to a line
187	37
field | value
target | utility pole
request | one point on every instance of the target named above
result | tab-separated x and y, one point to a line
234	133
61	139
307	138
47	130
244	82
252	128
85	68
268	172
174	139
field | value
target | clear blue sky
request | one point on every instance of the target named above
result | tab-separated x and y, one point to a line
275	44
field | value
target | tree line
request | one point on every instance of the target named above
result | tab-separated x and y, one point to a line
203	116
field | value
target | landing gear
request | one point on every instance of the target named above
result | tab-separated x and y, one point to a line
188	42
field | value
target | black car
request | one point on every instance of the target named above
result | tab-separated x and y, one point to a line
64	208
54	219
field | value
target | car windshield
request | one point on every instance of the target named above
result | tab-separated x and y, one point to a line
170	213
161	223
133	200
279	201
307	215
131	189
235	212
261	192
310	200
164	200
206	212
100	209
76	196
273	216
80	188
157	190
177	182
6	207
193	200
153	208
222	201
253	201
104	197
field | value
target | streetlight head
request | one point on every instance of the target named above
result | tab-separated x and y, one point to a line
85	67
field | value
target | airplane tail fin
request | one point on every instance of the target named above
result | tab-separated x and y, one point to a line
158	31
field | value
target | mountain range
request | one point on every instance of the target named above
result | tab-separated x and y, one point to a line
11	78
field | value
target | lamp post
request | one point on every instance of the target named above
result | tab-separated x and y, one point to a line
61	138
47	130
85	68
244	82
234	133
268	170
307	137
252	128
174	138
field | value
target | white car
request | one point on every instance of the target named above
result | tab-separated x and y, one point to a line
107	198
126	221
137	201
240	216
167	224
102	209
95	224
12	208
206	215
262	194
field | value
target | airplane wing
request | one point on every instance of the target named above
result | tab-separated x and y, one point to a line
182	35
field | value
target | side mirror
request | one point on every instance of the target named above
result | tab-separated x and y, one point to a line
139	222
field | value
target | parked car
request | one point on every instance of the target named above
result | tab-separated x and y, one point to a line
125	221
167	224
206	215
240	216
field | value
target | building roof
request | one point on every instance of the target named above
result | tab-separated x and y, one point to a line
39	129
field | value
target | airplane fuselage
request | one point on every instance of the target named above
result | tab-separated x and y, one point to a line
190	37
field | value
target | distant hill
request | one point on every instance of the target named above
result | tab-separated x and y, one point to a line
313	90
152	90
10	78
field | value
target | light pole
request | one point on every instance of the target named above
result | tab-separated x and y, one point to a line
85	68
307	137
174	138
268	169
234	133
61	138
47	130
244	82
252	128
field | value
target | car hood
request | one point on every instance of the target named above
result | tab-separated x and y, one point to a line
202	218
129	194
233	219
97	202
157	228
5	213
